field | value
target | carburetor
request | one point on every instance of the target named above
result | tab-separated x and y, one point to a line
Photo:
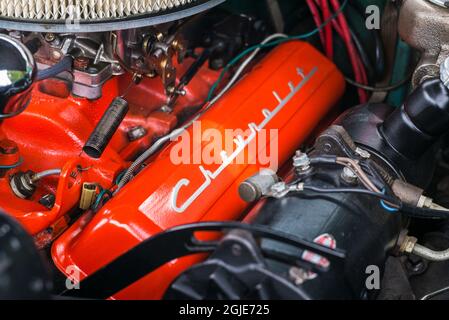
103	39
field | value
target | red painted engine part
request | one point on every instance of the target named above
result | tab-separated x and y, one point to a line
291	90
51	132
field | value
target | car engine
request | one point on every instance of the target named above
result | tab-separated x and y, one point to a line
215	150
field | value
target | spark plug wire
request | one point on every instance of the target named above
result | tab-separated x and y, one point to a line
360	74
340	25
328	30
317	18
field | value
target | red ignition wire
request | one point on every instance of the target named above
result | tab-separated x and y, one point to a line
359	59
341	26
328	29
317	18
359	69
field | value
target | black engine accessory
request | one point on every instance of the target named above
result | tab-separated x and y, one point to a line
182	241
246	276
423	119
23	274
405	137
17	73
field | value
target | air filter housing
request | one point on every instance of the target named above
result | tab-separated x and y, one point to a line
94	15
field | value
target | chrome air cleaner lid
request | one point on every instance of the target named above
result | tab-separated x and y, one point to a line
94	15
441	3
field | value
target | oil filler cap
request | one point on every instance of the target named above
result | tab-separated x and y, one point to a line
17	74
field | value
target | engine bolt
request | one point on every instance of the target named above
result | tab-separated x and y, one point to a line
297	275
8	147
415	265
236	250
171	89
301	161
117	69
50	37
181	92
166	109
136	133
349	176
363	153
48	200
81	63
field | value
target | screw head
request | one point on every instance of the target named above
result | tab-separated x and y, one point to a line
301	161
181	92
136	133
297	275
81	63
8	147
49	37
363	153
170	89
236	250
117	69
48	200
349	176
166	109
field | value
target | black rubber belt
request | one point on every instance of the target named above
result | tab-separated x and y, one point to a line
175	243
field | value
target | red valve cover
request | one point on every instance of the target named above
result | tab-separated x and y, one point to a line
290	91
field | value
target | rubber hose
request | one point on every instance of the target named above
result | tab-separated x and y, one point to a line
64	65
